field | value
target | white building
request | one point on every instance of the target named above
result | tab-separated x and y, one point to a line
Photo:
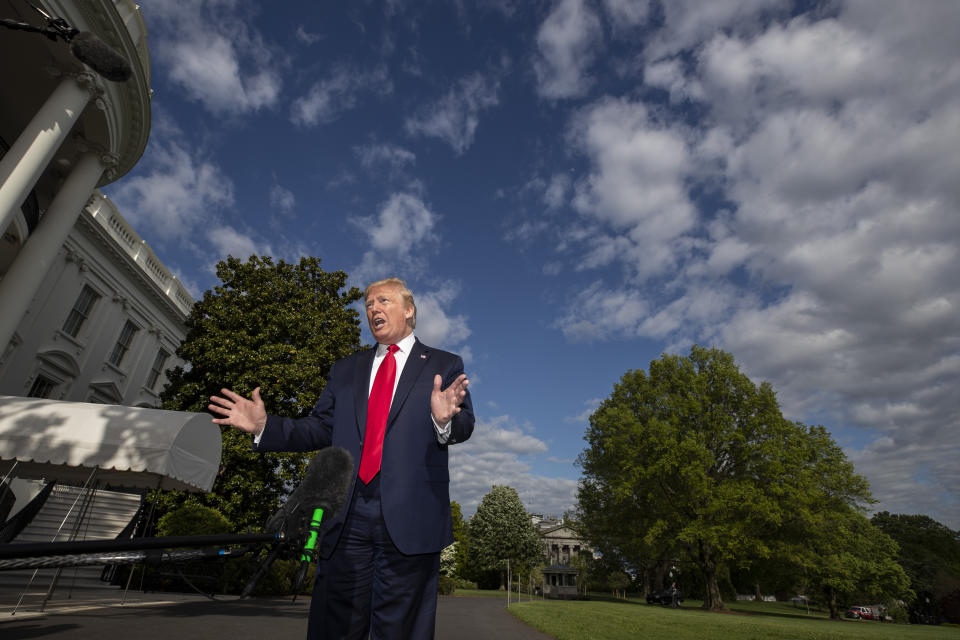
104	323
561	544
88	312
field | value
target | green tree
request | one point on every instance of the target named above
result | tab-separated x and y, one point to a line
461	538
276	325
825	535
501	530
930	555
694	461
849	557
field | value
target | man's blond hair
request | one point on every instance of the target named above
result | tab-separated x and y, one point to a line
405	293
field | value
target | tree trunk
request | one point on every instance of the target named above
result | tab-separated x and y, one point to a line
660	572
832	601
712	600
759	596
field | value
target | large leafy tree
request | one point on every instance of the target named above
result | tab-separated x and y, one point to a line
846	557
695	462
930	555
501	530
825	536
276	325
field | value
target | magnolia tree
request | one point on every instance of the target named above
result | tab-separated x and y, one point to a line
274	325
501	531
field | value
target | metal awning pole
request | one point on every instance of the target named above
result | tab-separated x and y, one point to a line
10	473
143	568
36	571
83	508
83	520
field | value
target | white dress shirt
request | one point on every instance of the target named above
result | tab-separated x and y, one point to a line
405	345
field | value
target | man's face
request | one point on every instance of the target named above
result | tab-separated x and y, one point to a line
387	314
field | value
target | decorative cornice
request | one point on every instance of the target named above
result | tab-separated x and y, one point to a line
74	256
125	105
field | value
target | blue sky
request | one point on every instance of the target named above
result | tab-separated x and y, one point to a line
573	187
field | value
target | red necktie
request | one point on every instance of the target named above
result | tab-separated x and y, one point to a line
378	407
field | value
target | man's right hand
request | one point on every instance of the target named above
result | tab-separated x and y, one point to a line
248	416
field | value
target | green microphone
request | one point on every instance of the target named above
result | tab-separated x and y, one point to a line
313	538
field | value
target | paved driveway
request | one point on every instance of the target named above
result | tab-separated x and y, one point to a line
156	616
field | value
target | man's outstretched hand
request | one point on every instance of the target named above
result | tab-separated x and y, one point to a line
446	403
246	415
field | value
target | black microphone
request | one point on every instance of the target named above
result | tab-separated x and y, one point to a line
96	54
325	486
86	47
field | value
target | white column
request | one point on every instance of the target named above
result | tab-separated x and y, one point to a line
26	160
32	263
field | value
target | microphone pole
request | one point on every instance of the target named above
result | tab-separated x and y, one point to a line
84	45
324	489
149	556
309	550
31	549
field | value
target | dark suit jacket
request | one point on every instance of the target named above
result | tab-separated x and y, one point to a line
414	477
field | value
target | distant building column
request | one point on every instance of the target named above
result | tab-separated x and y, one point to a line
30	266
29	156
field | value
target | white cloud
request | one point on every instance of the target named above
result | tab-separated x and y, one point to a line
282	199
454	118
374	155
555	195
627	13
687	23
175	192
229	241
566	47
497	454
833	271
636	185
404	222
669	74
583	418
338	92
307	37
213	54
401	235
436	325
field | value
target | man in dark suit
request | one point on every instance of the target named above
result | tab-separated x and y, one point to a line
396	409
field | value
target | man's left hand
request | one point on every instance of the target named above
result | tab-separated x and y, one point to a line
446	404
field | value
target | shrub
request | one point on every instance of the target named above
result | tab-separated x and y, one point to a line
193	519
463	583
446	586
898	612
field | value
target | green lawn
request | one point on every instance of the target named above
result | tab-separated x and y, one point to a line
593	620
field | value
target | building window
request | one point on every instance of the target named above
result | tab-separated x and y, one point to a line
42	387
80	312
123	344
156	369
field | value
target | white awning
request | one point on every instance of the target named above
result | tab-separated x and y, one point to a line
129	446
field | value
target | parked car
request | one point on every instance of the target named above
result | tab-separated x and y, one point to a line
664	597
860	613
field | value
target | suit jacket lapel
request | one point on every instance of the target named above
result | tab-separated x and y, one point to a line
412	369
361	387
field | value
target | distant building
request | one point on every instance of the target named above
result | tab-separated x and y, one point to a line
561	544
